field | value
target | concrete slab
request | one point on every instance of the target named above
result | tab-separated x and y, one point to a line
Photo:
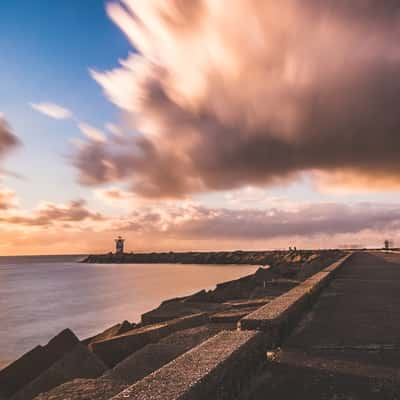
286	381
115	349
216	370
276	316
358	315
348	345
230	316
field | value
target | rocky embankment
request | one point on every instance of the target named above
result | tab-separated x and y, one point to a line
102	366
219	257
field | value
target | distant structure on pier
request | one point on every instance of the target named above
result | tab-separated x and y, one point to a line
388	244
119	245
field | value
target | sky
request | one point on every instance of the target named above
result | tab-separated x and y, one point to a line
186	126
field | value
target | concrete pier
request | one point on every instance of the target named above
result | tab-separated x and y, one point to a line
333	336
348	345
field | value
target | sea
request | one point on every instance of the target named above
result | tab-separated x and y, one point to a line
42	295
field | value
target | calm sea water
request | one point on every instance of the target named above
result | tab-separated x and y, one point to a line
40	296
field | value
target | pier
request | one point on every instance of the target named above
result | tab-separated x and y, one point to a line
336	336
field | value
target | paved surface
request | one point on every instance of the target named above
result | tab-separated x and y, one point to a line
358	314
283	311
348	345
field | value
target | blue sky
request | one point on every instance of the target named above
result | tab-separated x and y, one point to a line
49	47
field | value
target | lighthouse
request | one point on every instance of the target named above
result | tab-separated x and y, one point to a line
119	245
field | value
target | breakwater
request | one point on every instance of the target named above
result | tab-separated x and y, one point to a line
219	257
196	330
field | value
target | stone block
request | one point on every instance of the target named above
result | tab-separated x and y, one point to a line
79	363
114	350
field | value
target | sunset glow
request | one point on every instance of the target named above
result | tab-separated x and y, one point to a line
183	127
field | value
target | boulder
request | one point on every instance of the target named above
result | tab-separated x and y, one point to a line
33	363
133	368
115	330
79	363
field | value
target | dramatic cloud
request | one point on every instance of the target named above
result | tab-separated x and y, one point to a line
8	141
253	96
49	214
52	110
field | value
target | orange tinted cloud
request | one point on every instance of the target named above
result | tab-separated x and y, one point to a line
7	199
193	227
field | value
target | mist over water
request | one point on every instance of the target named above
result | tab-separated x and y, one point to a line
39	297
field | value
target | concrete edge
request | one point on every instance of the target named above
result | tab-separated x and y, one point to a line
171	323
115	349
216	369
278	316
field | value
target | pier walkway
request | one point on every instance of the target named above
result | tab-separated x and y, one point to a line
348	345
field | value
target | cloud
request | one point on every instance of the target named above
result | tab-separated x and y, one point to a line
257	96
121	200
193	222
52	110
8	141
94	134
343	182
50	214
114	194
189	226
114	129
8	199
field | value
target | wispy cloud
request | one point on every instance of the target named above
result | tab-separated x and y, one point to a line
8	140
114	194
114	129
49	214
189	220
189	226
52	110
92	133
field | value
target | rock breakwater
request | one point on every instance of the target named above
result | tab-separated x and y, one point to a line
219	257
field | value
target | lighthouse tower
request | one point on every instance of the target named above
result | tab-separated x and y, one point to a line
119	245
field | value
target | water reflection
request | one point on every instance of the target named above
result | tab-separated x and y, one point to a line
37	300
